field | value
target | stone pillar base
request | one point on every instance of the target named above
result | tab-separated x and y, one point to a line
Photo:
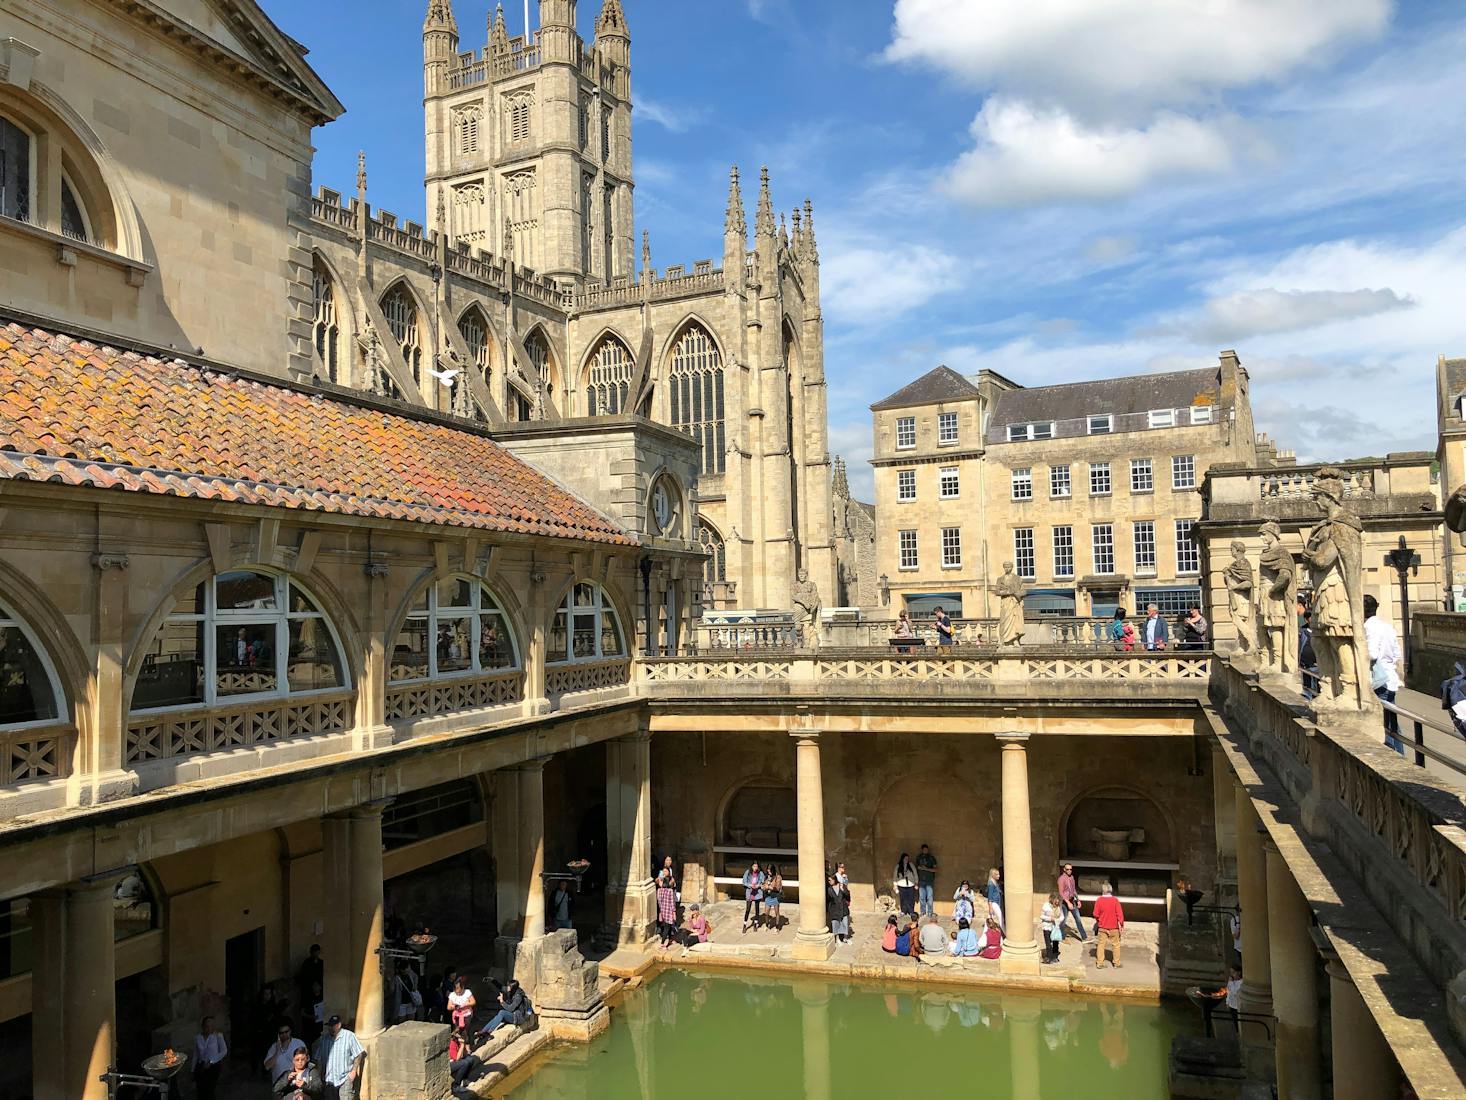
376	737
575	1025
635	922
813	946
1023	958
535	708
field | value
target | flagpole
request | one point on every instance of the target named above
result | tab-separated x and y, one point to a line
526	24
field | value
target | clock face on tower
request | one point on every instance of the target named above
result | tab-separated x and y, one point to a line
662	507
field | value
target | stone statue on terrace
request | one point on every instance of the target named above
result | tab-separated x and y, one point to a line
1241	584
1278	617
807	609
1333	554
1009	590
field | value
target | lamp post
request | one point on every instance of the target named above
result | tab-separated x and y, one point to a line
1406	563
885	586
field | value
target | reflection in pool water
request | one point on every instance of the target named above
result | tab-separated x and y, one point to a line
714	1036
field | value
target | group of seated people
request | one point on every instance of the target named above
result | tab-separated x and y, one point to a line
509	1005
927	938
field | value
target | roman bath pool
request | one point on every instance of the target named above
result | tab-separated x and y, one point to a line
689	1034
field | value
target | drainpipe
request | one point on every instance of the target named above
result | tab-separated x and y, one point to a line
646	598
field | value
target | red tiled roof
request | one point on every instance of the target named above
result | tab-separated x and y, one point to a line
77	413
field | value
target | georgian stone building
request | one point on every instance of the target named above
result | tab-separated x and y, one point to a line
529	157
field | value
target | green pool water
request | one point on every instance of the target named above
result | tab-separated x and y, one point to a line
695	1035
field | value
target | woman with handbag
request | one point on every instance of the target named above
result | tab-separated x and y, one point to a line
1053	930
904	879
773	893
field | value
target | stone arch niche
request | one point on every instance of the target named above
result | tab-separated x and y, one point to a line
759	813
939	810
1097	823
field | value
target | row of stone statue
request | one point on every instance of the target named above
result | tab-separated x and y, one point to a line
1263	604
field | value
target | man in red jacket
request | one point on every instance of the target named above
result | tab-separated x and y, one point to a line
1109	922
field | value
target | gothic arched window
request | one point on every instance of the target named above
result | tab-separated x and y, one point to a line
469	213
326	329
695	383
475	331
401	313
608	378
716	568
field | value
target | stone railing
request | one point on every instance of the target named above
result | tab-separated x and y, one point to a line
629	294
880	634
717	637
845	669
416	244
1402	483
476	266
587	676
1397	830
217	729
1297	481
332	212
469	76
35	752
517	60
431	698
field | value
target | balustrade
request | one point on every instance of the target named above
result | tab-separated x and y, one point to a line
587	676
432	698
35	752
179	733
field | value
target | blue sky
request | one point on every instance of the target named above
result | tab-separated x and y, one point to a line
1053	189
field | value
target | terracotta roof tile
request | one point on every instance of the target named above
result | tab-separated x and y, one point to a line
85	414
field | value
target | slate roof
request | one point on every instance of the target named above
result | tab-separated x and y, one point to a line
942	384
1130	396
79	413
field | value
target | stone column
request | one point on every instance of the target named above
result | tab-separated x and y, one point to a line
532	845
367	915
630	895
1364	1066
342	968
1294	962
1257	981
1020	945
1225	805
371	689
814	1002
813	940
1023	1054
74	1000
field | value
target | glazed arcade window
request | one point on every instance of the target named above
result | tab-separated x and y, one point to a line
28	691
241	634
455	626
586	627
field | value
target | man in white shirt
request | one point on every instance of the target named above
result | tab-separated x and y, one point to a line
209	1050
1383	645
280	1058
1234	993
1156	633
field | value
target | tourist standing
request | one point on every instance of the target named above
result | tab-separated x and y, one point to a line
560	905
753	895
943	623
666	911
1109	926
340	1054
1053	932
995	898
280	1058
926	880
1157	633
1194	629
1118	626
1069	896
666	869
962	902
1383	645
1234	994
773	894
301	1080
904	879
837	909
904	631
209	1049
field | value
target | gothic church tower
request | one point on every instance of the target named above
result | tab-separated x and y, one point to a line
531	140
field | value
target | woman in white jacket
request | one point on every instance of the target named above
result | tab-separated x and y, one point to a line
904	879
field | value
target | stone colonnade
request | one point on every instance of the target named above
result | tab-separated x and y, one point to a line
1281	950
813	941
74	1019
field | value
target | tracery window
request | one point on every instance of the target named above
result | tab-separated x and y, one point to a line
521	215
16	171
469	208
241	634
325	329
608	378
696	386
539	356
466	129
401	313
28	687
586	627
475	332
518	109
715	570
455	627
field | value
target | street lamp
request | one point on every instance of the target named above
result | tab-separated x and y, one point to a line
1405	561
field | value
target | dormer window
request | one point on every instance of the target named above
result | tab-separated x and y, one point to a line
1162	418
1101	424
1201	414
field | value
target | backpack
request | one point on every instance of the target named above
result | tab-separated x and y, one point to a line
1453	698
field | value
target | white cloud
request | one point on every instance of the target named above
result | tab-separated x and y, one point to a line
1234	317
1028	156
852	442
863	285
1100	58
1110	249
676	120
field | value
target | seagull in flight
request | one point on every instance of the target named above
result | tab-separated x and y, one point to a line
445	376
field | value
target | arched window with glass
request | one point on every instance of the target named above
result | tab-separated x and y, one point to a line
455	627
29	692
402	318
586	627
695	385
240	635
325	329
715	570
608	378
474	329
